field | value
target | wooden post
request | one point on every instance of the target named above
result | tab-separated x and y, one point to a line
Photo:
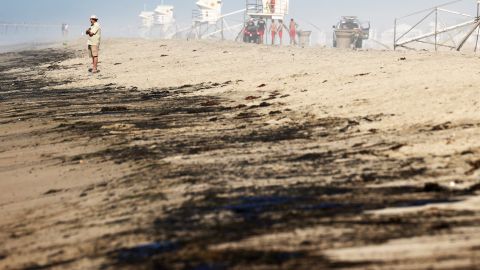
223	36
436	28
395	35
478	32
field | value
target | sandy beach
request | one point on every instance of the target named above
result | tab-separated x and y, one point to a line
220	155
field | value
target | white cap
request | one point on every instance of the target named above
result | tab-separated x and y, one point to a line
94	17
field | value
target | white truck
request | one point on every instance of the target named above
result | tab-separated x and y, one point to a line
349	33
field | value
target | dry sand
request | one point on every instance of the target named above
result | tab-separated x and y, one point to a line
183	155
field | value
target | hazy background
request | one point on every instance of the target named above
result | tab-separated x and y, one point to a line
120	17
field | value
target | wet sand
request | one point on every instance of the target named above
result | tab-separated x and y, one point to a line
186	155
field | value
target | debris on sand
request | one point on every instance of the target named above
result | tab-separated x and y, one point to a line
210	103
444	126
143	252
114	109
433	187
252	98
246	115
475	164
261	105
362	74
207	181
275	112
53	191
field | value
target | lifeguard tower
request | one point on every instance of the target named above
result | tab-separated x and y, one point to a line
147	19
208	20
158	23
209	11
164	17
268	10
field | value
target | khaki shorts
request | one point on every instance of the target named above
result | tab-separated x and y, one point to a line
93	51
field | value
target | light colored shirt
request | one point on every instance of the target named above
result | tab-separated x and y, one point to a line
97	34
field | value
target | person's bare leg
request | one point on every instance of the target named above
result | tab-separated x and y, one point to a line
95	63
90	54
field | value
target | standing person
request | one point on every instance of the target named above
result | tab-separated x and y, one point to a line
273	31
245	33
272	6
252	34
261	30
280	31
66	29
94	36
293	32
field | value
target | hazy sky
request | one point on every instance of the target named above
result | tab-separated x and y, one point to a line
116	14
